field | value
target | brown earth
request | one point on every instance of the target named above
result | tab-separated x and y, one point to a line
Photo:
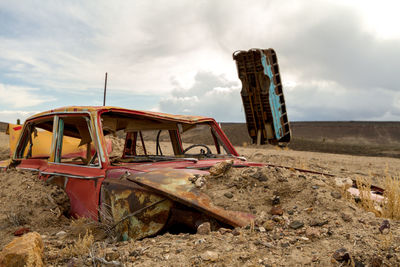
324	218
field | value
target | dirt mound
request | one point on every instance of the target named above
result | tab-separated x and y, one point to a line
27	202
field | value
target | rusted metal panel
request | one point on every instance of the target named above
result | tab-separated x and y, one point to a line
120	199
175	184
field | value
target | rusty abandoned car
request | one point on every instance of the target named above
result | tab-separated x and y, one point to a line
147	187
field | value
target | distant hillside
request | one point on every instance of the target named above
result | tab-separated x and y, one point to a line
3	126
351	137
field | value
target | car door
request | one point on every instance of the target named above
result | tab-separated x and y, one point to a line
74	163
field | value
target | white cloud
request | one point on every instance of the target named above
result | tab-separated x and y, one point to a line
22	97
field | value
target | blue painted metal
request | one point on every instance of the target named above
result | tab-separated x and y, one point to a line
274	101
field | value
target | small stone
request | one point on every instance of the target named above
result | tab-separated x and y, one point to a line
269	225
343	182
315	187
204	228
276	200
112	256
224	230
285	244
260	176
317	222
199	241
209	256
290	212
228	195
276	211
346	217
236	231
341	255
61	234
385	225
296	225
21	231
336	195
261	229
312	233
221	168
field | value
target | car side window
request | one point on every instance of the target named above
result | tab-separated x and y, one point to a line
35	141
74	143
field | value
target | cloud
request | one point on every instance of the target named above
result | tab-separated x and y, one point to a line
210	95
11	116
181	52
22	97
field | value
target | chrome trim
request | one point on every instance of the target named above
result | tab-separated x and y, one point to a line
71	175
74	165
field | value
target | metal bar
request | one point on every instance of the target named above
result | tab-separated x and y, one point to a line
105	89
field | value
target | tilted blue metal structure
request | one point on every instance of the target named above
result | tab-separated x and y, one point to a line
262	96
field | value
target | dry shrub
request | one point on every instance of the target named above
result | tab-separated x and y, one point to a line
100	229
390	206
81	246
367	203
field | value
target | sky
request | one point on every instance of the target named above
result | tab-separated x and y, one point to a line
339	60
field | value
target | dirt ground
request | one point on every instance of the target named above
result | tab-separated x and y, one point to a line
302	219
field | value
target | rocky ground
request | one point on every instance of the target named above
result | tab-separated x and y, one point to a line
302	219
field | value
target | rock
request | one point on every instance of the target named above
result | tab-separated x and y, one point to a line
343	182
209	256
290	212
341	255
315	187
236	231
228	195
276	200
261	229
26	250
312	233
61	234
296	225
204	228
200	182
21	231
269	225
317	222
385	225
224	230
221	168
112	256
199	241
260	176
346	217
285	244
276	211
336	195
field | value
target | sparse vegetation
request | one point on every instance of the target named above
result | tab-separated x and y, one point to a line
81	246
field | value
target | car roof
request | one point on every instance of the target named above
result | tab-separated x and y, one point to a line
97	109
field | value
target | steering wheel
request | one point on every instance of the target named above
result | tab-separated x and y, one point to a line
197	145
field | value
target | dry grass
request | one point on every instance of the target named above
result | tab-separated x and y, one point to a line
390	206
81	246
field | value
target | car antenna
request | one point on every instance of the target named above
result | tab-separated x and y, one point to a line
105	89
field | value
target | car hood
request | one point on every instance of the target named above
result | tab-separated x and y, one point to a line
173	180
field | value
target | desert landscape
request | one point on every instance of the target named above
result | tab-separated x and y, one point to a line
302	218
